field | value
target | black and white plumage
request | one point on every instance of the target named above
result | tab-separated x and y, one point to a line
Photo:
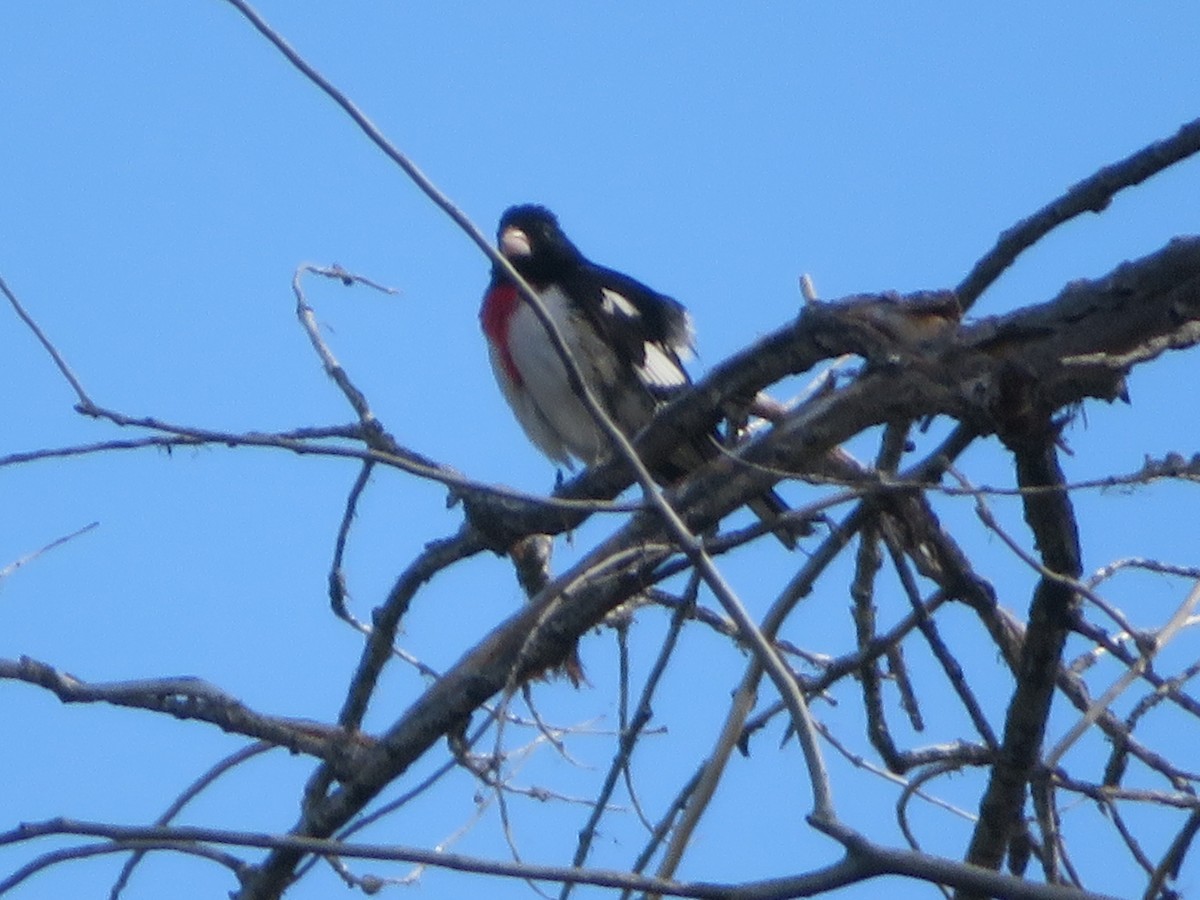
628	340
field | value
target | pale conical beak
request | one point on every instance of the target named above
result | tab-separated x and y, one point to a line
514	243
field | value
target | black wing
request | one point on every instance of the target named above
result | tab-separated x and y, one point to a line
650	332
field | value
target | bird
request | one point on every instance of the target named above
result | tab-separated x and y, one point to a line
628	340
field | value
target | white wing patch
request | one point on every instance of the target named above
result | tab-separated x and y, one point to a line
614	303
552	416
683	337
660	370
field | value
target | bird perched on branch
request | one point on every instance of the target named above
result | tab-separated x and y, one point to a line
628	341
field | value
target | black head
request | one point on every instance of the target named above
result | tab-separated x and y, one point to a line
531	239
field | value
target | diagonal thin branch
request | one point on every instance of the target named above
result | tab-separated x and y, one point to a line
57	542
190	793
633	729
304	312
1093	194
1160	639
59	360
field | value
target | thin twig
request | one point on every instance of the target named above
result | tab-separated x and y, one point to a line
333	368
300	442
946	659
1173	858
192	698
337	577
987	518
30	557
131	845
631	730
1160	639
190	793
59	360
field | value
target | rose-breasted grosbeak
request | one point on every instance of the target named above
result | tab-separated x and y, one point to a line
627	340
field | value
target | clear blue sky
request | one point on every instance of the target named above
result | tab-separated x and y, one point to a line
162	173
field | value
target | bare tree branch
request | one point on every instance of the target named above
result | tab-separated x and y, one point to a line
1017	377
193	698
30	557
1093	194
1052	520
864	861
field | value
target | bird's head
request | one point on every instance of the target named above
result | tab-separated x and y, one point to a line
531	239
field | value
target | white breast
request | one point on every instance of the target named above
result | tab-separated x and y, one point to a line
552	416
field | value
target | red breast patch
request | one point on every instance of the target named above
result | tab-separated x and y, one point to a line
499	304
